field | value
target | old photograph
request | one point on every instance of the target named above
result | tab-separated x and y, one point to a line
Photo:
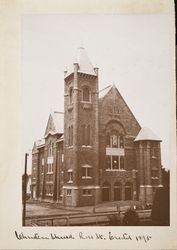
95	120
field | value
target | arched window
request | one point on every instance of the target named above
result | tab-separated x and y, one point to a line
71	95
86	135
86	94
83	134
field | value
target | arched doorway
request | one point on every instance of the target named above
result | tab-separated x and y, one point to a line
106	191
128	191
117	191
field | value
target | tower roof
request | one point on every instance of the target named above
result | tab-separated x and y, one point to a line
84	63
55	123
146	134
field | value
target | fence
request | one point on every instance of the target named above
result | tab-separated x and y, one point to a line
97	219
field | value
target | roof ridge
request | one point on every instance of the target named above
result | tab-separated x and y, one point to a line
105	88
57	112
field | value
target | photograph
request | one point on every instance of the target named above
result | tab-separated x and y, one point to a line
95	113
88	125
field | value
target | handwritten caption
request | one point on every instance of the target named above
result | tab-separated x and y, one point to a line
82	236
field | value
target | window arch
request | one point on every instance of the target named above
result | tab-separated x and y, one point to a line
86	94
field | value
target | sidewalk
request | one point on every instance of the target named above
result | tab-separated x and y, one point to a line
35	208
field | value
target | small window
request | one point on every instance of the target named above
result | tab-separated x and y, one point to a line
50	168
86	172
50	150
70	176
87	192
68	192
154	173
86	94
62	157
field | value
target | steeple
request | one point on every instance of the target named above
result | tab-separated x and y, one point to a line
84	63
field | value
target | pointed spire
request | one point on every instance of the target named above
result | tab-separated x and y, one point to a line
84	63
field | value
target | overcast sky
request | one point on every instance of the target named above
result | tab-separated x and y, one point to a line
131	51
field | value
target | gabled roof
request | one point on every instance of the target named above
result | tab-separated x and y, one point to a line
84	63
104	91
40	142
55	124
146	134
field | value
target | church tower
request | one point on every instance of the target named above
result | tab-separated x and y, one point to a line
149	164
81	143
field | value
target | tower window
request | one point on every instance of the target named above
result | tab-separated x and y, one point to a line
71	95
86	94
70	176
68	192
86	172
86	135
49	168
50	150
70	136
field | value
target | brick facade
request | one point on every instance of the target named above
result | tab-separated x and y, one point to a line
98	155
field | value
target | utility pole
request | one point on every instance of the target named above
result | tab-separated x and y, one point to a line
24	182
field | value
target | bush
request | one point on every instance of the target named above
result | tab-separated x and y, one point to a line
131	218
114	220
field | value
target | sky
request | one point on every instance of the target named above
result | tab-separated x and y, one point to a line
131	51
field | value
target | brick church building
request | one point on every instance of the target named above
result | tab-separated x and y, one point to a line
95	151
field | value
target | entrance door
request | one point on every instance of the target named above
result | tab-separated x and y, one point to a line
117	191
128	191
106	192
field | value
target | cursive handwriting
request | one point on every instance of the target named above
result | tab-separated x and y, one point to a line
35	236
125	236
85	236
